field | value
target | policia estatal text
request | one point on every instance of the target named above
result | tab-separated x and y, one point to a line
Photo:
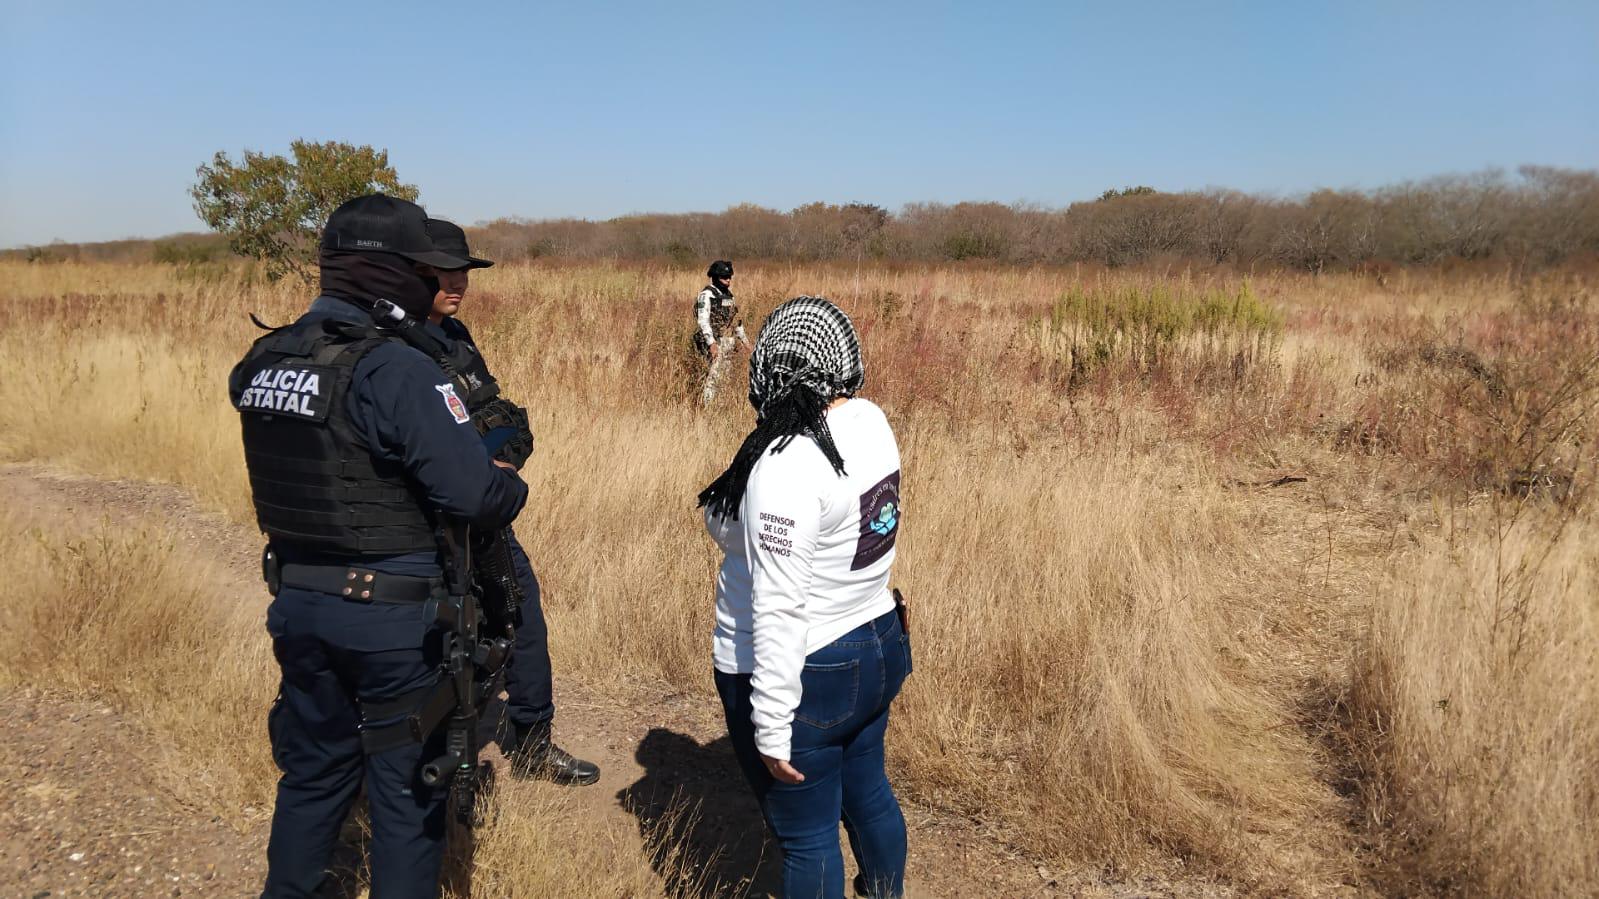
366	474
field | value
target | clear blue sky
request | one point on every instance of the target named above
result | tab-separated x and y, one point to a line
597	109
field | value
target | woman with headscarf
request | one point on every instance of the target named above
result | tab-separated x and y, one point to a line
809	647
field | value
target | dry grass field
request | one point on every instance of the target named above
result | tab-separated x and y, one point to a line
1289	580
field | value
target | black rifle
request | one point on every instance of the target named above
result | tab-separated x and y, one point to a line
474	660
494	572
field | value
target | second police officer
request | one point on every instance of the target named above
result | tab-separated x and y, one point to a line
357	445
530	699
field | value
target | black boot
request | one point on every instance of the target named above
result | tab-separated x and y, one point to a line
534	754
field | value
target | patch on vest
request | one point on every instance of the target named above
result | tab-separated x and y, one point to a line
453	403
289	390
880	515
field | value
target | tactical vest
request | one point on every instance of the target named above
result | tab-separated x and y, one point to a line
491	412
314	483
723	309
472	374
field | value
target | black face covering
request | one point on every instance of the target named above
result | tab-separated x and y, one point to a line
365	278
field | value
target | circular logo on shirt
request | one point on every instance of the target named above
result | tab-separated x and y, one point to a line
880	515
887	518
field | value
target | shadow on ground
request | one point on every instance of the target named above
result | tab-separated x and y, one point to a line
700	819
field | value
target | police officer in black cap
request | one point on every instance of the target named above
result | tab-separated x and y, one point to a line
529	693
358	446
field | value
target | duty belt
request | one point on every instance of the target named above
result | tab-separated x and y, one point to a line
360	584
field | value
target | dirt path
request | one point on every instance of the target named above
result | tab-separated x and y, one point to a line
83	817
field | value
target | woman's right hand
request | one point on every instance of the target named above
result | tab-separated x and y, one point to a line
782	770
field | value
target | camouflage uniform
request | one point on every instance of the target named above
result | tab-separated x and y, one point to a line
716	314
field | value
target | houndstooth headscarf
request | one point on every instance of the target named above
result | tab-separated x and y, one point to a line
807	355
805	343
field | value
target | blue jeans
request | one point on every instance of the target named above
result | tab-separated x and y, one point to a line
846	690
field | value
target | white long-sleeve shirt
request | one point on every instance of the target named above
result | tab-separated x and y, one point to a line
806	561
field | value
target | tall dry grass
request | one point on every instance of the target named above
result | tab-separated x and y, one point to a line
1475	710
1127	653
126	617
119	614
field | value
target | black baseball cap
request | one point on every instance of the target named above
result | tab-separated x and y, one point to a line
377	223
449	238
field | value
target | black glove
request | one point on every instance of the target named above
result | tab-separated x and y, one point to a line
503	426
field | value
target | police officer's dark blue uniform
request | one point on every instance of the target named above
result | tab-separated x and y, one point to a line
408	455
529	692
528	676
530	700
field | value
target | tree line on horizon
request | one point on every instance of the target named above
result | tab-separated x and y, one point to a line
1537	217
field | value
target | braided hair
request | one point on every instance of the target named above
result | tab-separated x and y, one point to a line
806	355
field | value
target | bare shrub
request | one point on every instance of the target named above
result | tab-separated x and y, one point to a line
1504	400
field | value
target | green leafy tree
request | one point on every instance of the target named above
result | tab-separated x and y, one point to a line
1142	190
272	208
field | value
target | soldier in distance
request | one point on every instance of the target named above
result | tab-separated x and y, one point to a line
718	329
